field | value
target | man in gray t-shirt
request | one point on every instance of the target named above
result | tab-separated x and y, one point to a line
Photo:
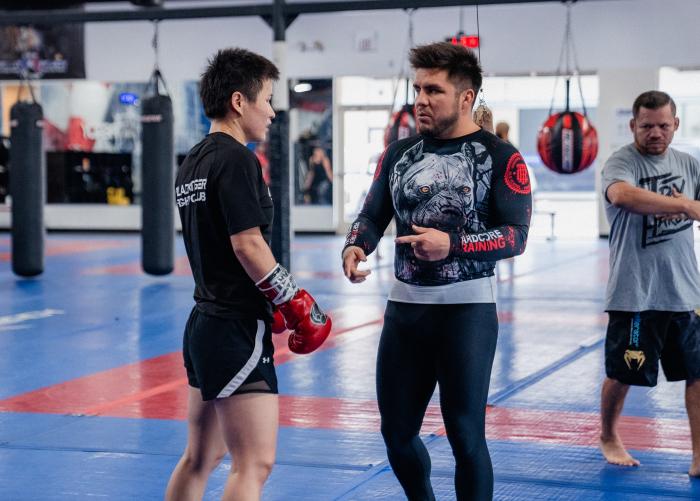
651	196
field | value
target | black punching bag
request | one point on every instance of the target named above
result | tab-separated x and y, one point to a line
157	186
27	189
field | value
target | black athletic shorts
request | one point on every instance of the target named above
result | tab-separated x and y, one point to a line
635	343
222	355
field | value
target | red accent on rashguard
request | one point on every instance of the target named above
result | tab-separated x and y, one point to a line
517	178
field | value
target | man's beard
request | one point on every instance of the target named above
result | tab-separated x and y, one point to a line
441	125
645	148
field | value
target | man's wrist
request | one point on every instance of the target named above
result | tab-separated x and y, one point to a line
278	286
686	205
347	248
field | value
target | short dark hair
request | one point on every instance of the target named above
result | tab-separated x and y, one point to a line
461	63
653	100
232	70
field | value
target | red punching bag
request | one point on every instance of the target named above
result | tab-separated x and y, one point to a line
567	142
401	125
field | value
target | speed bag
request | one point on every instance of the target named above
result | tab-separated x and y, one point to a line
401	125
567	142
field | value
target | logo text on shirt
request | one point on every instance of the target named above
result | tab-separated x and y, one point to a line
192	192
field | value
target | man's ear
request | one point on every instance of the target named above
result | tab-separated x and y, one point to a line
236	102
469	97
676	123
632	125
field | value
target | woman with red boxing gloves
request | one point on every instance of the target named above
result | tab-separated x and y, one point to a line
226	213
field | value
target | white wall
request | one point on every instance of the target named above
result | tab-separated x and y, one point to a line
516	38
618	90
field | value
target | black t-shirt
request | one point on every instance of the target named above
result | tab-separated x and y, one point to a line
219	191
475	188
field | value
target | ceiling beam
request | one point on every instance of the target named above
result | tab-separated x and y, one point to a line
63	16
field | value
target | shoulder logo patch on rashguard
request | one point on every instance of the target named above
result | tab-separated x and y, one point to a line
517	178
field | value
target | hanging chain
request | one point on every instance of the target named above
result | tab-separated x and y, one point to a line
25	77
482	99
403	71
154	43
567	38
567	56
575	61
478	31
157	77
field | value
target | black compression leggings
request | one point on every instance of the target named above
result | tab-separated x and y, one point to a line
453	346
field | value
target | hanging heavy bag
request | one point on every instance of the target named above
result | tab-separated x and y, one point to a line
483	117
27	188
158	195
401	125
567	142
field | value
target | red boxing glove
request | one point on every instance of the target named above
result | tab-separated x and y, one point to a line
309	324
278	324
300	312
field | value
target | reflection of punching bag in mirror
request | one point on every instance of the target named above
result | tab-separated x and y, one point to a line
567	142
402	124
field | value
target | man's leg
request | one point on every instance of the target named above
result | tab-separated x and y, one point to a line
633	345
692	404
611	402
681	362
249	424
405	383
467	344
204	451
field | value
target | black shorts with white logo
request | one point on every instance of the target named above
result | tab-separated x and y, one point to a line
635	342
223	355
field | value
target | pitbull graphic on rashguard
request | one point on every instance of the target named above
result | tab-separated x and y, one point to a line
475	188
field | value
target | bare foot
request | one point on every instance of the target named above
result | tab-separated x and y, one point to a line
694	470
615	452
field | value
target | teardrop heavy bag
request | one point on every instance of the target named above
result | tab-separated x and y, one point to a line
567	142
401	125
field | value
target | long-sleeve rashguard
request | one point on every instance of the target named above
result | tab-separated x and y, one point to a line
475	188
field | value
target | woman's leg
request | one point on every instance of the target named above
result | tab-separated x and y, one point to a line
249	423
204	451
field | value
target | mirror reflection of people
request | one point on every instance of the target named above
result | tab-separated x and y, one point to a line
87	185
318	184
